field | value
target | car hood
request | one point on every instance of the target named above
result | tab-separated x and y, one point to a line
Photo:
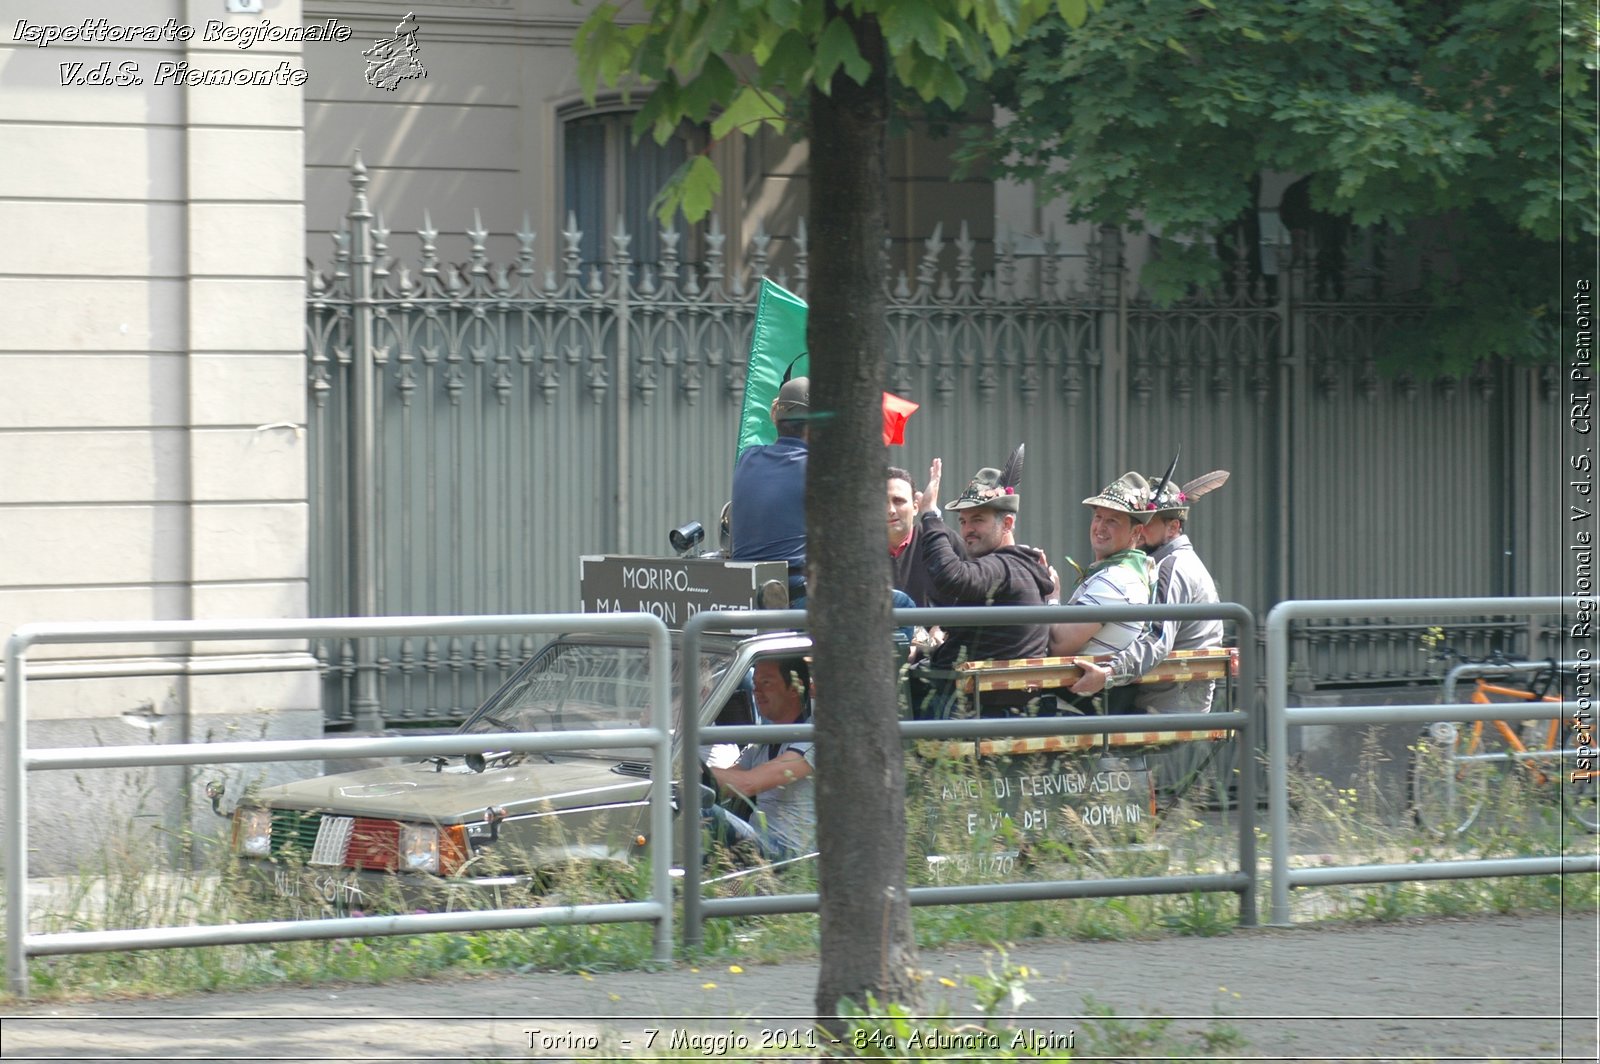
454	794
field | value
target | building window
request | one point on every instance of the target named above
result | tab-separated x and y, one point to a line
608	175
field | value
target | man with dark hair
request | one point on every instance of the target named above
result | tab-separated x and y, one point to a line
775	778
992	570
768	508
909	573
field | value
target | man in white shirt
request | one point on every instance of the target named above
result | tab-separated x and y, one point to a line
1177	576
1119	575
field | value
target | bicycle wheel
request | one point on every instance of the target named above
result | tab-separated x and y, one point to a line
1447	790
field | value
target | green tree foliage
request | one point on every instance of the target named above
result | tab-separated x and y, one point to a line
1467	127
738	65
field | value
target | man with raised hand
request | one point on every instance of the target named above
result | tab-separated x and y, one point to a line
985	566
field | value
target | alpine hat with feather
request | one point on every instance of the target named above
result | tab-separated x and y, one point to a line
994	488
1169	500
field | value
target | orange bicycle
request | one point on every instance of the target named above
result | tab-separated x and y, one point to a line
1455	763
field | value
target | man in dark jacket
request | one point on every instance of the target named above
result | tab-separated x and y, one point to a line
984	566
768	499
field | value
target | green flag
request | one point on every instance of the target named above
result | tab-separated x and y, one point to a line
777	350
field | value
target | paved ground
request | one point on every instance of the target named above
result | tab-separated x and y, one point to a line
1483	988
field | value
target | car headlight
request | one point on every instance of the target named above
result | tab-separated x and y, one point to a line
426	848
252	831
419	848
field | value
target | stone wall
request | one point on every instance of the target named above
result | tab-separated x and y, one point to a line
152	410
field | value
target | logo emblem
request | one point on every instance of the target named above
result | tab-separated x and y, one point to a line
394	59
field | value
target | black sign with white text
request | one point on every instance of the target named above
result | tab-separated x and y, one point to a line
673	589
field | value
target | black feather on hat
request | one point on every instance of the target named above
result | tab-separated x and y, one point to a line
994	488
1166	478
1174	501
1011	475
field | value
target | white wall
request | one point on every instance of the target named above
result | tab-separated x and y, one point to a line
152	451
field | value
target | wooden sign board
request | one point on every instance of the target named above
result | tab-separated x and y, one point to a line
978	813
673	589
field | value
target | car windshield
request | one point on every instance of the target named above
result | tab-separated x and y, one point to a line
575	686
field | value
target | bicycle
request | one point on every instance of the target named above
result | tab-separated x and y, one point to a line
1455	763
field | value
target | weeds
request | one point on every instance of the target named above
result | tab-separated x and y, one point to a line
1199	914
1362	824
975	840
1107	1036
896	1033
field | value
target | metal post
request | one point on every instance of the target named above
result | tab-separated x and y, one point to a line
1113	350
1246	741
689	677
1278	762
661	786
621	276
367	714
16	847
1291	358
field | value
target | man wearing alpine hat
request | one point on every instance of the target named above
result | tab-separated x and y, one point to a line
1177	576
1120	573
985	566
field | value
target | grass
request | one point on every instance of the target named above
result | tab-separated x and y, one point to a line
996	1032
1358	824
1367	823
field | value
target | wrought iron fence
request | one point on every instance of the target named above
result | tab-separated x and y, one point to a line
508	417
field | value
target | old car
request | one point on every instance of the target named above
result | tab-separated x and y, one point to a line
442	832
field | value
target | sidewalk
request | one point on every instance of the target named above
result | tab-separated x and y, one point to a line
1481	988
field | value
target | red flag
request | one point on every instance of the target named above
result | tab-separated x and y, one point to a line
895	413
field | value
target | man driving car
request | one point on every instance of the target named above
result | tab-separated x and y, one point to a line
775	778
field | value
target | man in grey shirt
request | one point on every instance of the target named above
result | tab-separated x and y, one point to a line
775	778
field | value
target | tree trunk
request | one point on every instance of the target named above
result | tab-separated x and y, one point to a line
867	941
